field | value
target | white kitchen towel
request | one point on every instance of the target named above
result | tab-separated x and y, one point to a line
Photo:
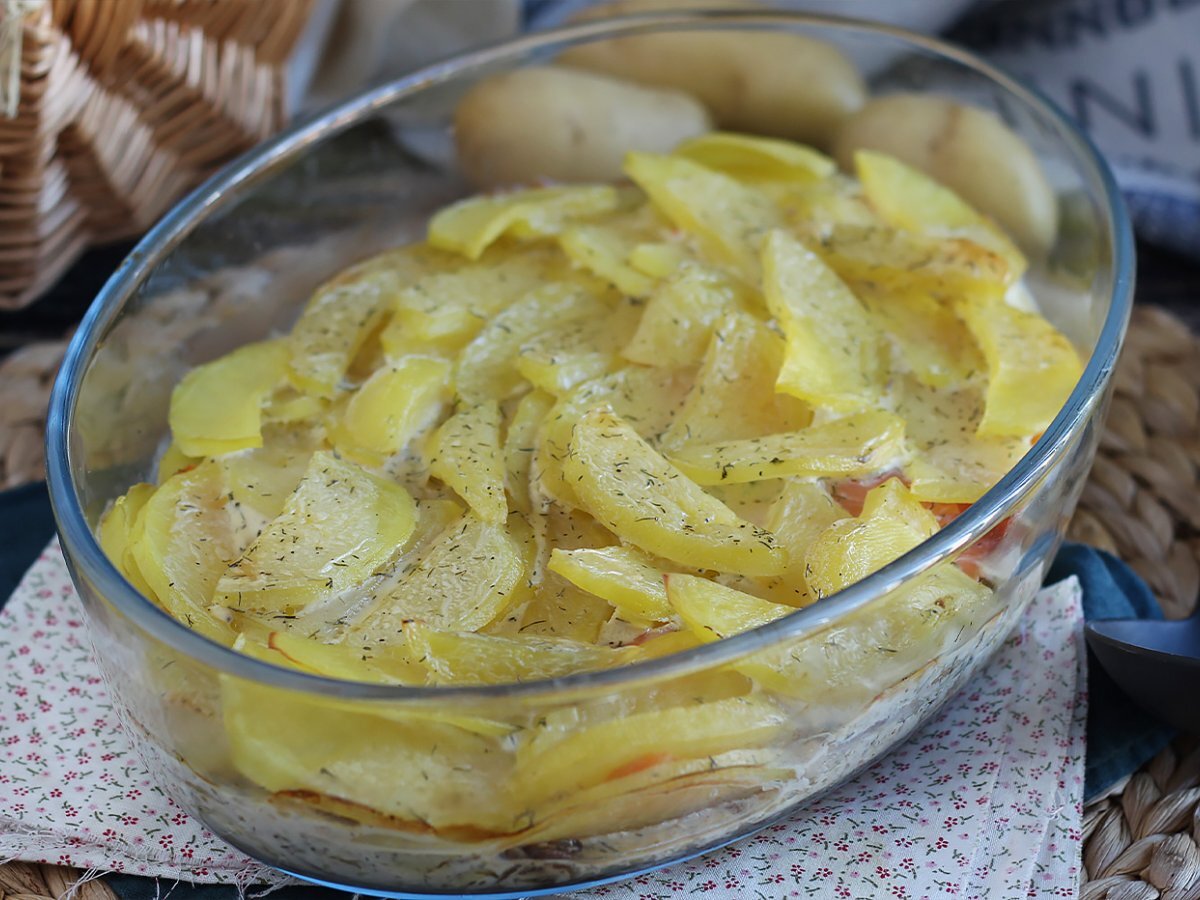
984	801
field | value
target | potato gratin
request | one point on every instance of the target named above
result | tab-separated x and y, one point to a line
582	426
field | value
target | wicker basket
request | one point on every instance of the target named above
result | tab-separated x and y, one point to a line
109	109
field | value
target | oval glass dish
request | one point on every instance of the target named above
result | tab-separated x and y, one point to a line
381	789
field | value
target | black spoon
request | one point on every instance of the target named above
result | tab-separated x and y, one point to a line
1157	663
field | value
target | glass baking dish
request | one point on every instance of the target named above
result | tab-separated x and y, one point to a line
237	259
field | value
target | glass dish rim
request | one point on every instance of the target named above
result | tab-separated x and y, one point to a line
82	549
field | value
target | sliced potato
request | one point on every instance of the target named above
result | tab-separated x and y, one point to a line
930	341
646	398
341	524
1032	367
465	454
832	354
218	407
392	406
439	313
951	462
892	523
855	445
909	199
734	393
455	657
728	218
264	478
183	540
713	611
487	367
463	581
472	225
624	576
577	350
680	317
751	158
520	442
346	310
391	664
557	764
873	257
604	250
640	496
802	510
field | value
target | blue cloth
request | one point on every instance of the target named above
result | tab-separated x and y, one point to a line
1120	736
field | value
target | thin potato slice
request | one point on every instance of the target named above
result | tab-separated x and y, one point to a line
520	442
555	764
404	765
624	576
734	394
910	199
487	367
646	398
262	479
172	462
456	657
1032	367
340	525
182	541
750	157
470	226
892	523
218	407
873	258
680	318
801	512
392	664
631	489
561	610
951	462
465	580
440	312
346	310
658	788
713	611
116	534
392	406
578	350
604	251
465	454
728	218
930	341
855	445
659	259
832	356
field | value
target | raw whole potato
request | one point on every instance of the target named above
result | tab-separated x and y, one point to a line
968	150
783	85
563	124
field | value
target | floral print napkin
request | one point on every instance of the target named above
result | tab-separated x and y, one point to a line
984	801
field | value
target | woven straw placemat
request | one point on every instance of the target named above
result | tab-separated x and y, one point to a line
1142	503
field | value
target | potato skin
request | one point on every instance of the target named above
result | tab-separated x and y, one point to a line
553	122
965	148
782	85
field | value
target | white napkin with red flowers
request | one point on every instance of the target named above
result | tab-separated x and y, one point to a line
984	801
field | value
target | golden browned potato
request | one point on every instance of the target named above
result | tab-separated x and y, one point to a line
785	85
969	150
567	125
